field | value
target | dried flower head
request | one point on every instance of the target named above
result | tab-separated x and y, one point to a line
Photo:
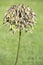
20	17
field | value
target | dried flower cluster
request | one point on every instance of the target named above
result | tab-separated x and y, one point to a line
20	17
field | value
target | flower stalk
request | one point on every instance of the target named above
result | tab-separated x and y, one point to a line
18	48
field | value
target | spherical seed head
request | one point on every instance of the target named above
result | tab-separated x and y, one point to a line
20	17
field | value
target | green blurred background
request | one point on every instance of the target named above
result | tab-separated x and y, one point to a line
31	50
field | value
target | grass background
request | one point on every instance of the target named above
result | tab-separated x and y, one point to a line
31	51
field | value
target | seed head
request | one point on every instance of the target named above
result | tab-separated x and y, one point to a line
20	17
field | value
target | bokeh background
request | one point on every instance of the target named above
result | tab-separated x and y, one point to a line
31	50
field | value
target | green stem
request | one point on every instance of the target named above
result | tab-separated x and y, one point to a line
18	48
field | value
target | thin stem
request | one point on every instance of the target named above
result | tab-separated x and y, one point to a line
18	48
